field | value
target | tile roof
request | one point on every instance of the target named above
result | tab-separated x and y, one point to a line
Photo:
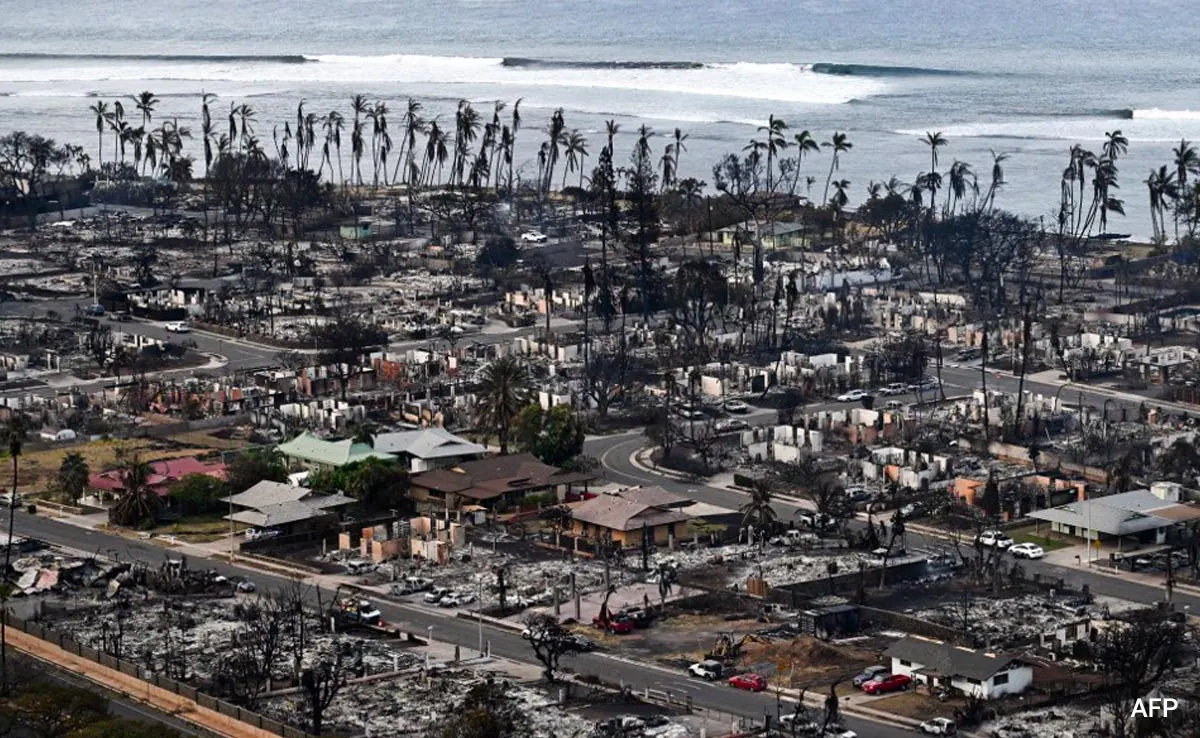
308	447
267	493
427	443
281	514
947	659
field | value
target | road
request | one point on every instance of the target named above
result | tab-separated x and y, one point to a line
465	633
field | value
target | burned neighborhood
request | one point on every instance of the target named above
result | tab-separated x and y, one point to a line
451	454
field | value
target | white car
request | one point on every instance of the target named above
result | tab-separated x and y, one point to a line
533	237
178	327
853	395
736	406
896	388
839	733
437	594
939	726
1026	551
710	670
995	538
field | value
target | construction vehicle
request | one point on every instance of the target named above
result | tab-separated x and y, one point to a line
727	648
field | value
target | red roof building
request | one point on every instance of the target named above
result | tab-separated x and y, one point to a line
162	475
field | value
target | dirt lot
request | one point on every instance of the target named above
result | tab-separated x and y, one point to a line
918	706
804	661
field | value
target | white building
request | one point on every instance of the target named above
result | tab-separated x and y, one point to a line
938	664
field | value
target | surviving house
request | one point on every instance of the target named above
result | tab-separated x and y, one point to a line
1146	515
162	475
938	664
627	522
495	482
285	507
312	452
428	448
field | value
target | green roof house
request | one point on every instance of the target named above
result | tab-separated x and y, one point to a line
314	453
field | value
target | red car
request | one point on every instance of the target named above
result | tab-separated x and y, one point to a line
889	683
618	626
748	682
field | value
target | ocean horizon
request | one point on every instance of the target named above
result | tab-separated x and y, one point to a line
1022	78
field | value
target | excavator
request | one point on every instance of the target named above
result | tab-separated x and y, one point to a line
727	648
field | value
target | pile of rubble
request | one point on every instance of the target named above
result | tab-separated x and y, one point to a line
777	567
419	703
1054	722
1011	621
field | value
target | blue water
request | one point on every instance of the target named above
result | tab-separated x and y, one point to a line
1022	77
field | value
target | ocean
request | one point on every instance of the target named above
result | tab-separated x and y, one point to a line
1023	77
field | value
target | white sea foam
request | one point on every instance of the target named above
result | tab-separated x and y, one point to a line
788	83
1160	114
1150	127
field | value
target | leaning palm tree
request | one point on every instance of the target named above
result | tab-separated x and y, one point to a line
554	133
503	392
775	142
100	108
73	475
805	144
680	137
757	513
139	503
998	160
576	154
358	104
840	144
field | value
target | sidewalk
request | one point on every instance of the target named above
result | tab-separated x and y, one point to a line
210	721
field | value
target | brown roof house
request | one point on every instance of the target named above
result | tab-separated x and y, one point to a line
628	522
495	482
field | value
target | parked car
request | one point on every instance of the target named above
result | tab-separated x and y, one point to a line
795	538
582	643
928	384
736	406
533	237
178	326
123	316
436	594
254	534
995	539
798	724
839	732
616	624
750	682
95	310
358	567
870	673
411	585
939	726
893	389
731	425
709	669
853	395
1026	551
814	519
892	553
456	599
889	683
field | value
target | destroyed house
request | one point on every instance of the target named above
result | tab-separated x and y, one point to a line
938	664
494	482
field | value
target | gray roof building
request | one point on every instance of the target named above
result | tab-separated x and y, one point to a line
944	659
428	448
271	504
1123	514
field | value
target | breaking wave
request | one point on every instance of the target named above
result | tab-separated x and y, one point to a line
875	70
194	58
472	76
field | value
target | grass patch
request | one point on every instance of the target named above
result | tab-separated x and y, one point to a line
198	528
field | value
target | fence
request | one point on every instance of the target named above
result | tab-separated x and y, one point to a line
66	643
